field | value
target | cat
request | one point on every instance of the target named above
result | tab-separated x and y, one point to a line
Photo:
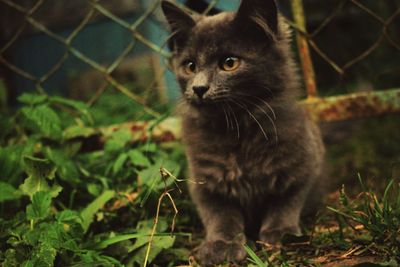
255	155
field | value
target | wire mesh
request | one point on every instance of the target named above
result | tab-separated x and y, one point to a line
329	68
362	49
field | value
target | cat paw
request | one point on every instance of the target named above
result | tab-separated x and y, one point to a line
274	236
210	253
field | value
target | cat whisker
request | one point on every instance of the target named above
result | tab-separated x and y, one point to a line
266	114
228	125
222	93
229	115
219	97
269	91
252	116
261	100
267	104
236	121
224	90
235	118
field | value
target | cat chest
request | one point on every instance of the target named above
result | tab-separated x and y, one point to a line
239	177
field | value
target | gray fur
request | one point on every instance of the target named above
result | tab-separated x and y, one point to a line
255	154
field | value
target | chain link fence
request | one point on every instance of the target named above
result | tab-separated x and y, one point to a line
349	50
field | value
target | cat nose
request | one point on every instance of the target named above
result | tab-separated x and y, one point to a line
200	90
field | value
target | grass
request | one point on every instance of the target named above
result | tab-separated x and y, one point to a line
125	204
362	230
254	259
378	218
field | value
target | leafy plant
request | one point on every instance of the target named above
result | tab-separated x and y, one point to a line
62	203
74	194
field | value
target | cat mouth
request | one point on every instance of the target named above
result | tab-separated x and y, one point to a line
199	102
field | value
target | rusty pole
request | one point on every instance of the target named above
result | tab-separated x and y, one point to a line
304	50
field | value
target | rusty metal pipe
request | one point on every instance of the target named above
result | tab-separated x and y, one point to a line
304	50
335	108
352	106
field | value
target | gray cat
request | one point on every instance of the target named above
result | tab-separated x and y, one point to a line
255	154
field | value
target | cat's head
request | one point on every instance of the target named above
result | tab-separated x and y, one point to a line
229	56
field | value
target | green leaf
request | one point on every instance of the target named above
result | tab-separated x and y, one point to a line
39	170
254	258
8	192
94	259
159	244
118	140
6	126
66	168
44	255
10	258
33	184
39	208
120	238
39	167
119	163
152	178
138	158
343	197
44	120
88	213
145	237
173	167
76	131
149	148
145	228
79	106
11	163
94	189
59	235
67	216
29	263
32	99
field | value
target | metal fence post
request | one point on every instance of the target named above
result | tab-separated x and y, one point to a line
304	50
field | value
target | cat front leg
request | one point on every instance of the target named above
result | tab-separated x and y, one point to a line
283	215
224	226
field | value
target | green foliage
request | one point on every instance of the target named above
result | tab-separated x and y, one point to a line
70	198
62	204
254	259
379	216
42	119
88	213
39	208
38	171
8	192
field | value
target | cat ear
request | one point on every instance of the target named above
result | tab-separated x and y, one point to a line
262	12
179	21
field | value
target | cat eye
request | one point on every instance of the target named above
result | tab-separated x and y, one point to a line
230	64
189	67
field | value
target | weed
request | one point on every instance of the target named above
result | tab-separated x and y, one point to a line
63	204
378	217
